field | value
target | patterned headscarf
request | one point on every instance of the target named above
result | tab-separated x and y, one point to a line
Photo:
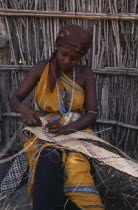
71	36
75	37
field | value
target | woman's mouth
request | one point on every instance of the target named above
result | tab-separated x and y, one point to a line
63	67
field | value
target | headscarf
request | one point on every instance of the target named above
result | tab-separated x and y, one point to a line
70	36
75	37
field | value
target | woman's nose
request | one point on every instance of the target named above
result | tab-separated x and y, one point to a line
67	60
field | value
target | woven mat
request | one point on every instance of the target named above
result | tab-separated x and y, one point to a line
90	145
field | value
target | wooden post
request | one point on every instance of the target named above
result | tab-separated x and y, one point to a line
3	47
0	120
4	59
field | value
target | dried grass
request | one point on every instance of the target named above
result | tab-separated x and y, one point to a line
115	185
4	205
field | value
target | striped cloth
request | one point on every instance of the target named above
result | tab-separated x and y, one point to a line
14	176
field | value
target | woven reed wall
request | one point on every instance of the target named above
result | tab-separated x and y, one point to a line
113	57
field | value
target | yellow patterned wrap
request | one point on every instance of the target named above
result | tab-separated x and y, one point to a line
78	182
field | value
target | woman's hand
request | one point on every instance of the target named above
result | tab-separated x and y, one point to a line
28	116
55	128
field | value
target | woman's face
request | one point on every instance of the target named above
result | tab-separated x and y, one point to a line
67	58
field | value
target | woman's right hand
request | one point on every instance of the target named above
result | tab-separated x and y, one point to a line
29	117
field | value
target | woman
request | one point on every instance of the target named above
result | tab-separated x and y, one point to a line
64	91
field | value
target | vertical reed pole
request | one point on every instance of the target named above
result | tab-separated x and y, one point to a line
4	57
0	121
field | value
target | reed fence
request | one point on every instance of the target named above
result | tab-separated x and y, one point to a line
31	27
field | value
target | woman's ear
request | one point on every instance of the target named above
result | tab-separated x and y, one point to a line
56	46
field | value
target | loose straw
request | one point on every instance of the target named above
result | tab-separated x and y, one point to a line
15	155
23	150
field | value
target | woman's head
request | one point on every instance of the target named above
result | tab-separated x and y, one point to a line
72	43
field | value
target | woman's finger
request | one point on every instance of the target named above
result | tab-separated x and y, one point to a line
30	121
52	125
36	116
54	122
33	116
24	121
54	130
59	133
27	122
35	121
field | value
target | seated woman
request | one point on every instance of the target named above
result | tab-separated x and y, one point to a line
65	102
66	99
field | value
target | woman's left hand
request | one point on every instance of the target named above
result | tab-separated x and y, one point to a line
55	128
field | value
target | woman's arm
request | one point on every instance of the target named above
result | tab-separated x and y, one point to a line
90	106
28	116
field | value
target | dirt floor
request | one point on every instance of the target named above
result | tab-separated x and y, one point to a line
117	191
19	201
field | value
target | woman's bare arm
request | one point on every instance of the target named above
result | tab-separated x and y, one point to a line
28	116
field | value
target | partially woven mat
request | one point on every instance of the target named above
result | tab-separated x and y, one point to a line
90	145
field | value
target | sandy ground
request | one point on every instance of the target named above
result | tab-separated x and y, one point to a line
116	192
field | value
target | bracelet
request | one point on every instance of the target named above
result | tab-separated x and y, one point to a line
92	112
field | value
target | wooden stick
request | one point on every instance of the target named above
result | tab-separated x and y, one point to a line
117	123
60	14
104	121
107	70
10	114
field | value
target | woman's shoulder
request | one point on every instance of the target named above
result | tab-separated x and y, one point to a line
85	71
83	74
39	67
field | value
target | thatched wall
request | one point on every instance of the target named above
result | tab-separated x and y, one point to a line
31	32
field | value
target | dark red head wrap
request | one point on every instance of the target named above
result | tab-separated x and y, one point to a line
75	37
71	36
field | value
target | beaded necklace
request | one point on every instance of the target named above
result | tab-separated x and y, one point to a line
72	95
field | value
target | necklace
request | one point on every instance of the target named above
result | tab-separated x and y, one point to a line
72	95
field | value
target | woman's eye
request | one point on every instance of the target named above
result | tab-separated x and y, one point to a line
63	54
75	58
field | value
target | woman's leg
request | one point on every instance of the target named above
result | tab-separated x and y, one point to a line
79	184
48	179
